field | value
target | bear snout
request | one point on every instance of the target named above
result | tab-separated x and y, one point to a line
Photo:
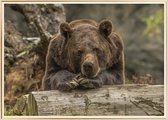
90	66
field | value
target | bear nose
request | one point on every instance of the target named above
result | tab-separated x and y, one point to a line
88	66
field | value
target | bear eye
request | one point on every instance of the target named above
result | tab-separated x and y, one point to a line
97	50
79	52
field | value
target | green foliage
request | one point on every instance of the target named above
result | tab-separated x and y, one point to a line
154	23
25	51
8	113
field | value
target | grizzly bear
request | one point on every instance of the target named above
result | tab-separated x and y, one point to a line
85	54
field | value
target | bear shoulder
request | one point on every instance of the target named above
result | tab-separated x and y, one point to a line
56	41
55	49
117	40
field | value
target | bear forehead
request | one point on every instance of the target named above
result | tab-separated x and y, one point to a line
86	34
77	23
85	29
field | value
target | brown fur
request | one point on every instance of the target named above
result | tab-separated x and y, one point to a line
86	47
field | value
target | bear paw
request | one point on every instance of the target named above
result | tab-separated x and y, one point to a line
86	83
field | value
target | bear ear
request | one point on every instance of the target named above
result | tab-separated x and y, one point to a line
65	30
105	27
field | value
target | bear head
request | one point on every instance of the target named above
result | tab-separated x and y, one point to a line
90	47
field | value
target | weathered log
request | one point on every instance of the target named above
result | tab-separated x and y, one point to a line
129	100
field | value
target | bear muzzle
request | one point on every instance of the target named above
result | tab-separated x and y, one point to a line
90	66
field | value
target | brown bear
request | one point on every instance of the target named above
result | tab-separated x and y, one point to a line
85	54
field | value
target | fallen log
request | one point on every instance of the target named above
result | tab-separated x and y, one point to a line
116	100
